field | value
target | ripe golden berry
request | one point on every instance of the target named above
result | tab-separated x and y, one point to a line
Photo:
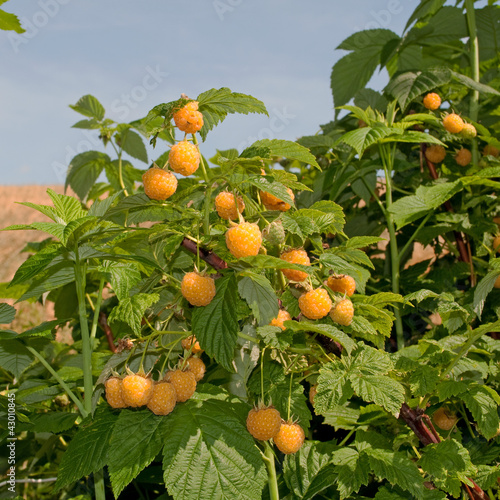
188	119
444	418
137	390
197	289
463	157
159	184
196	367
113	390
188	342
263	423
272	202
453	123
496	244
342	283
490	150
184	158
290	438
295	256
280	319
315	304
183	382
343	312
244	240
163	399
432	101
435	153
226	206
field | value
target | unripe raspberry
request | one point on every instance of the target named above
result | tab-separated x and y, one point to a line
113	390
469	131
295	256
280	319
272	202
342	283
290	438
444	418
463	157
196	367
312	393
163	400
188	119
183	382
315	304
226	206
453	123
274	233
188	342
184	158
435	153
490	150
136	390
159	184
432	101
197	289
244	240
263	423
343	312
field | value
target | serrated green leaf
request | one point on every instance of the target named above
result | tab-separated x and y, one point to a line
482	404
216	325
275	188
268	262
334	388
340	266
483	288
130	451
10	22
87	451
54	422
55	276
309	471
67	208
132	144
423	380
124	276
132	309
260	296
84	170
88	105
353	470
383	391
275	336
209	434
287	149
14	357
472	84
362	138
7	313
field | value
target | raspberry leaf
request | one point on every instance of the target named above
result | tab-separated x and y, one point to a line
210	435
216	325
88	105
7	313
132	309
260	296
483	401
84	170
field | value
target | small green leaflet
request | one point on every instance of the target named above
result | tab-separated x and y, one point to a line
10	22
260	296
88	105
132	309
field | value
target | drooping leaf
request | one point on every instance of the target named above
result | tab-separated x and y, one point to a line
84	170
132	144
260	296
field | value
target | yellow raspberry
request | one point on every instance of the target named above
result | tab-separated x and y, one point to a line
244	240
490	150
188	119
444	418
184	158
312	393
280	319
295	256
469	131
290	438
159	184
183	382
196	367
432	101
272	202
263	423
315	304
226	207
343	312
453	123
496	244
163	400
342	283
435	153
113	390
197	289
188	342
463	157
137	390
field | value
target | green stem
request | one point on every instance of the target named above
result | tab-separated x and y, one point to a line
120	169
247	337
271	472
202	161
344	441
61	382
80	279
100	493
474	62
97	309
387	160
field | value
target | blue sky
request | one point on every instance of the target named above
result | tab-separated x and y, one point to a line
133	55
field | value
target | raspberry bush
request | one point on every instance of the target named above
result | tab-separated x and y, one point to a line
253	325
